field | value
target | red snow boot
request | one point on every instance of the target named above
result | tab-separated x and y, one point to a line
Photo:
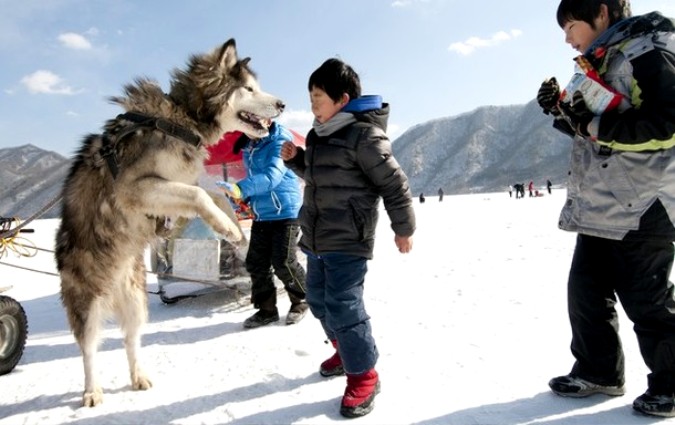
359	398
332	366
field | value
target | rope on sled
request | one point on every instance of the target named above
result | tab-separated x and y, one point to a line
29	269
20	246
7	231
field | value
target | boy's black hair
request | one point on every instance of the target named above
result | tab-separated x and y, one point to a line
336	78
587	10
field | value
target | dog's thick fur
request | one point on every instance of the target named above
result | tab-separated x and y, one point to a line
109	218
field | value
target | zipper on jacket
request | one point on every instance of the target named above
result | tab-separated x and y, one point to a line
316	216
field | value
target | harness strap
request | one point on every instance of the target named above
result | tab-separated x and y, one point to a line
165	126
109	153
109	149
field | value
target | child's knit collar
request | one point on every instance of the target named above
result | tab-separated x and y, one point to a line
338	121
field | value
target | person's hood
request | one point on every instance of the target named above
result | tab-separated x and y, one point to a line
370	109
628	28
363	104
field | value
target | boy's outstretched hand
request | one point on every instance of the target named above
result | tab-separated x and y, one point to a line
403	243
288	151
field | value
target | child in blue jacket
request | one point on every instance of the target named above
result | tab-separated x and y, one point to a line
273	192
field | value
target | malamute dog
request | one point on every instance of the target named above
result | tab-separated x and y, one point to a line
124	182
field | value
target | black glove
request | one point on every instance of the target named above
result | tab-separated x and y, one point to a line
548	96
577	114
563	125
240	143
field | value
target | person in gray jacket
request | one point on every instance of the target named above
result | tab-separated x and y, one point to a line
348	166
620	198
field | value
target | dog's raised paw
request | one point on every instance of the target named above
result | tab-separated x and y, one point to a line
230	232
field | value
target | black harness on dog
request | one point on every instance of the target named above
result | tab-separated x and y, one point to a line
108	151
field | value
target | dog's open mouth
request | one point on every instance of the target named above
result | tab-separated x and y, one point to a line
257	122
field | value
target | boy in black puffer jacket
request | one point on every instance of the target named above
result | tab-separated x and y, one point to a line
348	166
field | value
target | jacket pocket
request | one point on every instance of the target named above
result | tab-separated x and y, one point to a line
608	198
364	221
613	174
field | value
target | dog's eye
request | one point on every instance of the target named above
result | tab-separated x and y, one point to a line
249	88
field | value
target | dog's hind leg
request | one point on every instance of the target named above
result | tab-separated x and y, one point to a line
132	314
88	339
132	343
84	312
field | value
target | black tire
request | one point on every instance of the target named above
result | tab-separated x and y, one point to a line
13	333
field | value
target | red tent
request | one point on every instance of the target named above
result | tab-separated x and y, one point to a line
221	152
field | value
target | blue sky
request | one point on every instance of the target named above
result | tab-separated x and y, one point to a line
62	59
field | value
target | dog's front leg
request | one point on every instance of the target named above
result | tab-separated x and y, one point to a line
163	198
221	222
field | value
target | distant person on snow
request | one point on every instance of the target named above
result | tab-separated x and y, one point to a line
620	197
440	194
422	198
520	190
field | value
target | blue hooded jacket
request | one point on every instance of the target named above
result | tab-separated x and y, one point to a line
272	190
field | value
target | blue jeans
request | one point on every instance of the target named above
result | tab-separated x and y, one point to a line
335	297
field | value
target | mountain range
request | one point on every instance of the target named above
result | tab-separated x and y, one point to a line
484	150
30	178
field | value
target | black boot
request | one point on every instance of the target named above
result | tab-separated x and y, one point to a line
298	309
266	314
656	404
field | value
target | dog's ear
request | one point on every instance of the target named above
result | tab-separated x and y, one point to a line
228	54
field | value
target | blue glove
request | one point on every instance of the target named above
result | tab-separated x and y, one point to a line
230	189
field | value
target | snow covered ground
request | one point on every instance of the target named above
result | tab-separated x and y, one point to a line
470	326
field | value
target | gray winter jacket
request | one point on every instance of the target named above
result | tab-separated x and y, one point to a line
622	177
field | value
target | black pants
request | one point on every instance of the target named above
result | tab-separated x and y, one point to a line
272	251
638	273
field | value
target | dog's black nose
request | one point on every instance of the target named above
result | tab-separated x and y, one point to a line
280	105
